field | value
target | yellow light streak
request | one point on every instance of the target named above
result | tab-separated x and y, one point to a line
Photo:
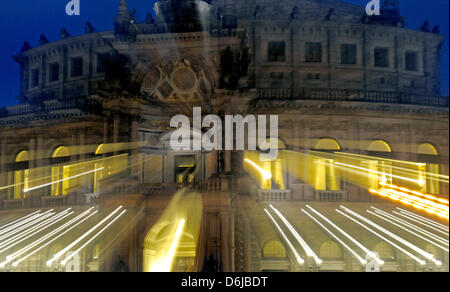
266	174
61	180
286	239
166	264
420	182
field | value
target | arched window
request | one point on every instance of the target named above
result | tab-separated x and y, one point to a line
429	171
326	175
382	169
21	176
385	251
327	144
330	250
274	249
59	175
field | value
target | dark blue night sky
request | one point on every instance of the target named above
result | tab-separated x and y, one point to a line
26	19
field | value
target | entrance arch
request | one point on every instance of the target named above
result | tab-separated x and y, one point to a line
21	176
60	173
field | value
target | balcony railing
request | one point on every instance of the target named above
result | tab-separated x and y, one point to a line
87	104
331	196
326	94
274	195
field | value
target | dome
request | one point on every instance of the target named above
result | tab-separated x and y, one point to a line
183	15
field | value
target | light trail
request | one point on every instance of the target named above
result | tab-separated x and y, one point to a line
420	261
419	182
16	225
408	230
47	224
411	201
64	262
439	225
61	180
48	235
166	263
67	248
20	219
398	238
412	226
16	263
286	239
427	196
420	222
266	174
308	250
366	250
33	220
360	259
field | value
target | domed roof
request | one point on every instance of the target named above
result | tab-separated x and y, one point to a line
183	15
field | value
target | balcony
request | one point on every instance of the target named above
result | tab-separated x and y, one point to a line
274	195
331	196
326	94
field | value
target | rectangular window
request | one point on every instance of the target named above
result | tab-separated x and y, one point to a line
34	78
76	67
313	52
411	61
348	54
277	51
101	62
381	57
53	74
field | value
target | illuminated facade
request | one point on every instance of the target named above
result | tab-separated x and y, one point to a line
358	100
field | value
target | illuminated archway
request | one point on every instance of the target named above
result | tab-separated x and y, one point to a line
382	170
429	170
59	174
326	176
379	146
274	249
330	250
21	177
327	144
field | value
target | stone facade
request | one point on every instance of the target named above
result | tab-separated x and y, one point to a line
324	67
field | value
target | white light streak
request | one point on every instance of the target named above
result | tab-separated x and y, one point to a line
308	250
361	260
366	250
420	261
67	248
20	219
425	254
64	262
438	225
291	246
